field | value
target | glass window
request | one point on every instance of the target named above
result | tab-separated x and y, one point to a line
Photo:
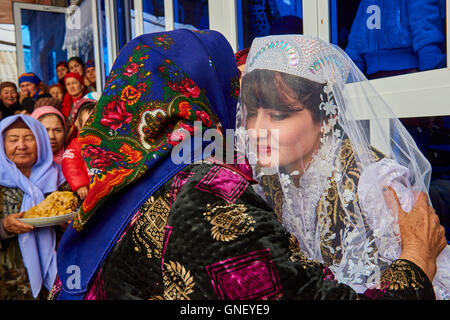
125	21
190	14
432	136
267	17
153	12
393	37
26	47
390	37
43	39
104	51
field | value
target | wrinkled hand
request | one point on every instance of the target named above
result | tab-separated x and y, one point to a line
82	192
423	237
13	226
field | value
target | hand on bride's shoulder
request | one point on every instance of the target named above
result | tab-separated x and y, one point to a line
422	235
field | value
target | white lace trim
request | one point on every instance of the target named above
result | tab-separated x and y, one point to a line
300	203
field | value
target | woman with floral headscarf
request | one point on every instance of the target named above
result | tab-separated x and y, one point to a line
303	116
162	218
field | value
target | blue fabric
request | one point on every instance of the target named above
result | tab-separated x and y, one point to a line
29	77
407	29
207	58
37	246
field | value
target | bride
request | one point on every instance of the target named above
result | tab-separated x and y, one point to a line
308	117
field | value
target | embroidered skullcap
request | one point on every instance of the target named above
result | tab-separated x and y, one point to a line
299	55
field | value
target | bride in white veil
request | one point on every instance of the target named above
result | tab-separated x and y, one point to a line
303	121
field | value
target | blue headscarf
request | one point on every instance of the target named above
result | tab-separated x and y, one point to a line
159	85
33	78
37	246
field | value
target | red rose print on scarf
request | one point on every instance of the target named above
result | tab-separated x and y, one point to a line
115	115
131	69
186	87
101	158
204	117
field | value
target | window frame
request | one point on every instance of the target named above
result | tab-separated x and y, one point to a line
17	17
406	94
419	94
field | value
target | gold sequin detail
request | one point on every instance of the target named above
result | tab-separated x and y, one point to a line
400	275
148	233
178	282
298	256
229	221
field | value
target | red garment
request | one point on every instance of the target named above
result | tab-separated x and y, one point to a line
74	168
68	103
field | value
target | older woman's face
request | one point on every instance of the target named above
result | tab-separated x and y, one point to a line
75	67
21	147
55	130
74	87
9	96
28	87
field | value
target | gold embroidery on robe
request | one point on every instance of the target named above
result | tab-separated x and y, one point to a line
400	276
178	282
333	214
336	214
229	221
148	234
298	256
271	186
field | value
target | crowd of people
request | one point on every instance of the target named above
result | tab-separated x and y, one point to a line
321	214
44	122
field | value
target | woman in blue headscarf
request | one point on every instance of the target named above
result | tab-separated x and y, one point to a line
31	85
155	227
27	175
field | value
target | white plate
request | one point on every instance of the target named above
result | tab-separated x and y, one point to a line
49	221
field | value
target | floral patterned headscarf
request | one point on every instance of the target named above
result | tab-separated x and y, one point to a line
159	85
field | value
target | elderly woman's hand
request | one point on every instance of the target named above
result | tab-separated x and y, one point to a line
423	238
13	226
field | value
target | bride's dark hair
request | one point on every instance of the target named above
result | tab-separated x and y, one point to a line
281	91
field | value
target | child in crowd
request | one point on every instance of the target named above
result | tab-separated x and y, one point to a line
73	166
57	92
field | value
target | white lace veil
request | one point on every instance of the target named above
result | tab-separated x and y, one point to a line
335	203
